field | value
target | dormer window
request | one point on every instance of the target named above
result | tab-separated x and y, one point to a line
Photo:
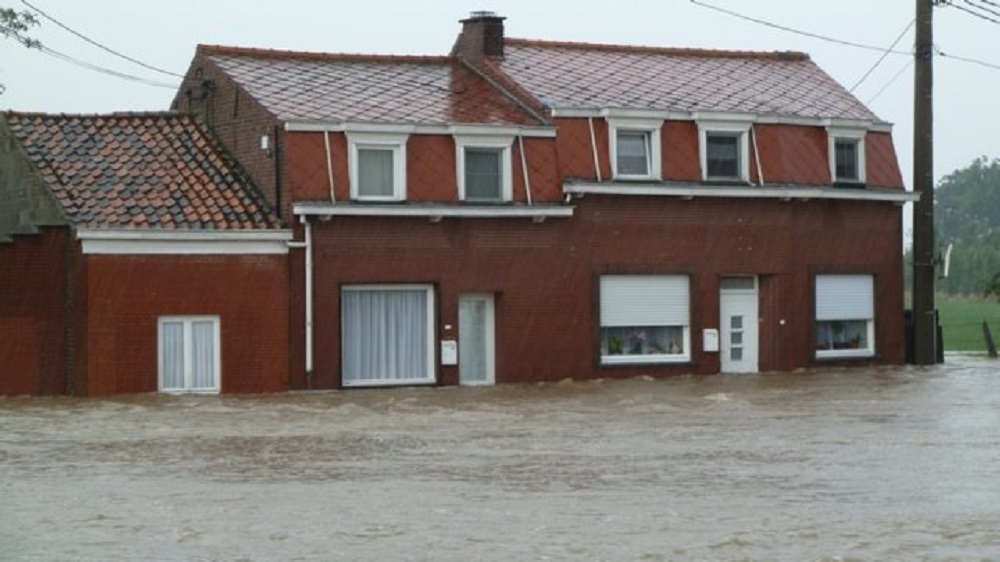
484	169
635	149
725	151
377	166
847	156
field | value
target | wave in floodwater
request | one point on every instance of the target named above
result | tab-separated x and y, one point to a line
880	464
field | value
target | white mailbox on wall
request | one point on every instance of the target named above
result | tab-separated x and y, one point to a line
449	352
710	340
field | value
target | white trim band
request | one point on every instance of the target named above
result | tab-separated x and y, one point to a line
324	209
755	118
742	192
418	129
183	242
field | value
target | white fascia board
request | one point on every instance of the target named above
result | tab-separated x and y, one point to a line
756	118
740	192
431	211
418	129
183	242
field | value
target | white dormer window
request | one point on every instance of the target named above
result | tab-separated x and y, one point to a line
484	169
635	149
847	156
724	148
377	166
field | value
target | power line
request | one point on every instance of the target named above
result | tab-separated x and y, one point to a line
980	6
972	61
797	31
890	82
882	58
101	69
974	13
100	46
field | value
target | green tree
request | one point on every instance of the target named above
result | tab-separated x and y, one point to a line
967	214
16	25
992	290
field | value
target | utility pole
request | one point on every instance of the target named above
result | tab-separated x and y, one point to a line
924	321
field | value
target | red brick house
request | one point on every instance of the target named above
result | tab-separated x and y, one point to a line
135	256
528	210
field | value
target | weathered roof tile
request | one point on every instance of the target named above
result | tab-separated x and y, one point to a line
146	170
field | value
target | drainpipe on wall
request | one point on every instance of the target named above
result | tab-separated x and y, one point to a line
307	245
756	154
593	148
524	168
329	166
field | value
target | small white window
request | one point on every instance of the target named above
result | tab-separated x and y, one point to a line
645	319
847	156
484	169
725	151
845	316
635	149
377	166
387	334
189	354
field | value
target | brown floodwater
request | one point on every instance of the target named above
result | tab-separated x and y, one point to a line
881	464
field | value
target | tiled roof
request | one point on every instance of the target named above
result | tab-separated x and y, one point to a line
368	88
583	75
145	170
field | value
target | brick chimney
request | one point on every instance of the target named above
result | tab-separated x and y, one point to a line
481	37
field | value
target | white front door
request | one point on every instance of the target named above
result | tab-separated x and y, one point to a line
476	346
738	324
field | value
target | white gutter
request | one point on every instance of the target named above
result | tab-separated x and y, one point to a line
307	126
182	242
324	209
742	192
759	118
524	169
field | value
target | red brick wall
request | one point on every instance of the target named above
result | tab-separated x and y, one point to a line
545	276
127	294
881	163
33	319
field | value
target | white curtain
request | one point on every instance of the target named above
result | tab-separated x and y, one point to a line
203	355
385	335
172	355
375	172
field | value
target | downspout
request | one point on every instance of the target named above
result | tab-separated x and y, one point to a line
329	166
593	148
524	168
756	154
307	245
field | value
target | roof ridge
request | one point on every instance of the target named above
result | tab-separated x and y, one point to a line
793	56
321	56
112	115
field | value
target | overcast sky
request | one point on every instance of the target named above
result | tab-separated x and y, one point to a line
164	34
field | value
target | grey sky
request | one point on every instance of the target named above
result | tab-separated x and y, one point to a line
164	34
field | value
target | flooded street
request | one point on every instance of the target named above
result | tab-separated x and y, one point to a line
887	464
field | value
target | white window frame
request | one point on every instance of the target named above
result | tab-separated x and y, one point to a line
502	142
608	358
379	141
856	136
650	127
188	322
866	352
430	320
739	129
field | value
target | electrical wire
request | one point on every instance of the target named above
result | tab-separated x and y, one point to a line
101	69
100	46
968	60
797	31
882	58
973	12
982	7
890	82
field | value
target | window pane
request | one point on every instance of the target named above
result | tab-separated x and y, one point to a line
633	153
385	335
642	340
723	156
172	369
203	359
375	172
474	354
482	173
842	334
847	160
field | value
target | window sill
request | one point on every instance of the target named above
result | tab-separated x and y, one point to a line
644	359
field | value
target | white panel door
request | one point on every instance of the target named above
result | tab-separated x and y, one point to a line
738	330
476	346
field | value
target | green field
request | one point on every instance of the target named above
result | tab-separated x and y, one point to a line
962	322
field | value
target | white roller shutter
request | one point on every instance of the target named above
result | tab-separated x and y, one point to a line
845	297
644	300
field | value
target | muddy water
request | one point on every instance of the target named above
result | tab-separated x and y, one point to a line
893	464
